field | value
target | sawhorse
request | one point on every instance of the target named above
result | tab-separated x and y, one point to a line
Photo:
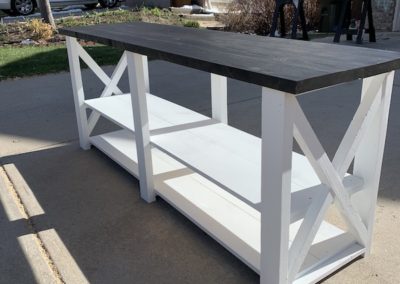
345	19
299	12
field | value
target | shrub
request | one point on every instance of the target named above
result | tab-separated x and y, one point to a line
313	13
40	30
255	16
155	12
3	33
191	24
249	16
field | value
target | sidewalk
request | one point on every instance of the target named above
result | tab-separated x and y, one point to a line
75	216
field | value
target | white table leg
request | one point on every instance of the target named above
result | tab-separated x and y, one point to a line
219	98
139	85
79	95
277	143
368	158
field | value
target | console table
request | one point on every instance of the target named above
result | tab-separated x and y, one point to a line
256	197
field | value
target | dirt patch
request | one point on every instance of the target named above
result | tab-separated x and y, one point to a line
22	33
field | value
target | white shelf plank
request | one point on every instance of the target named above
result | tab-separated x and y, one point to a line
229	157
162	114
121	147
230	221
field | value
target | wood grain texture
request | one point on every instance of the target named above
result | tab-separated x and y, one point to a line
289	66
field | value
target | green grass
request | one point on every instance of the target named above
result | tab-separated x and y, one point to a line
94	18
19	61
120	16
36	60
191	24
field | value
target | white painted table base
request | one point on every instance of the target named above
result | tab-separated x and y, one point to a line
275	230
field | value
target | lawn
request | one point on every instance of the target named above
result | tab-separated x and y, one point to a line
14	33
36	60
49	55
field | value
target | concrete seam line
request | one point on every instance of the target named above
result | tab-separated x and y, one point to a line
31	226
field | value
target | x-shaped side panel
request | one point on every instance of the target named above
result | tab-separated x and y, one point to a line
110	88
331	173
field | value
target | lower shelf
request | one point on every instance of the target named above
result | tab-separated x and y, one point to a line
229	220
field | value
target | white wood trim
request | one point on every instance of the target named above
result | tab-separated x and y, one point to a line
359	125
110	89
78	92
330	265
369	156
307	232
328	175
138	74
276	166
219	98
95	67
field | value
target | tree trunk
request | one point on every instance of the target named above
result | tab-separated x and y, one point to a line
45	12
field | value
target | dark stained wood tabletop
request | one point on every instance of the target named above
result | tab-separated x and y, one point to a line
287	65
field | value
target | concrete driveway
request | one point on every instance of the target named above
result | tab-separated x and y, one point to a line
74	216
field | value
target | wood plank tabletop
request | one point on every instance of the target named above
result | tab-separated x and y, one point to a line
291	66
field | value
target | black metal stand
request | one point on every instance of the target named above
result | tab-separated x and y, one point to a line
345	20
279	12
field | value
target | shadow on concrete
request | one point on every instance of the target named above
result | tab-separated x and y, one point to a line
113	235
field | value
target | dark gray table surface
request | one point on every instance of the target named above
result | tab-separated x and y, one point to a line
287	65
